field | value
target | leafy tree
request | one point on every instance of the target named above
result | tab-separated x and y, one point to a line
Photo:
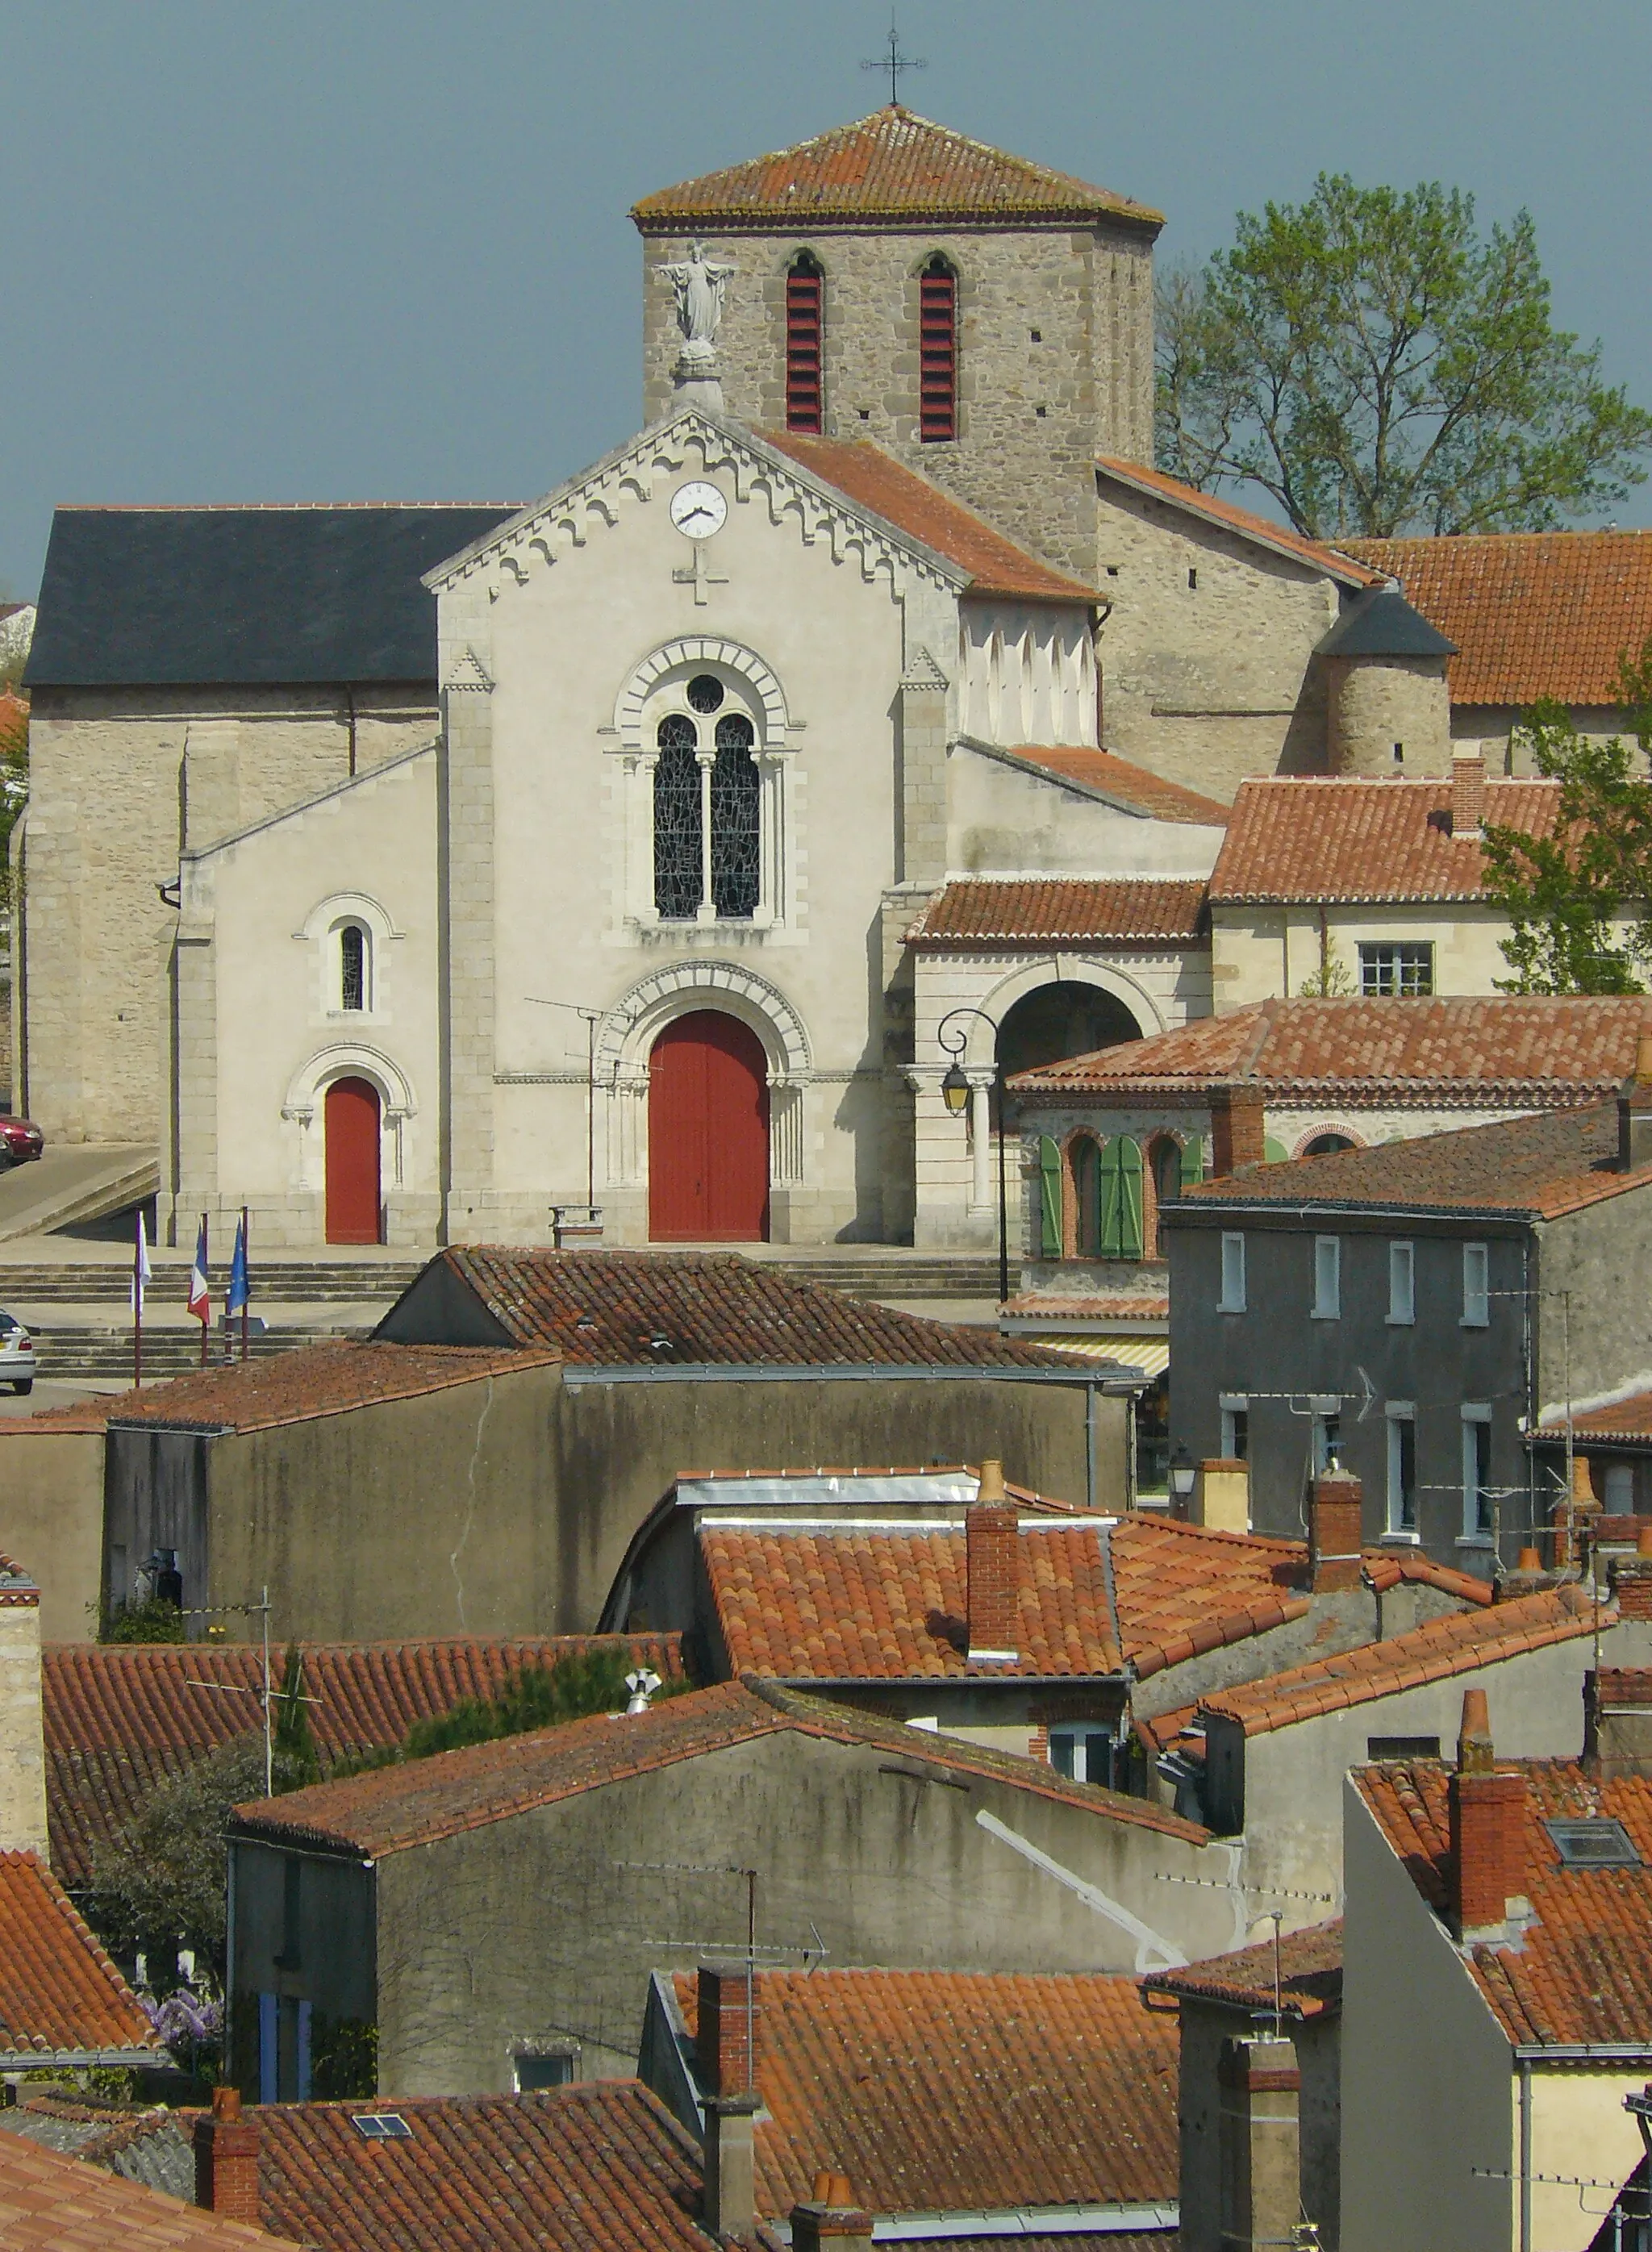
292	1740
147	1618
1376	365
1580	899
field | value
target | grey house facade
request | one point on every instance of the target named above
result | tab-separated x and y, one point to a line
1410	1312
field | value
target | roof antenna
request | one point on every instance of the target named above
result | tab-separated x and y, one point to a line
894	62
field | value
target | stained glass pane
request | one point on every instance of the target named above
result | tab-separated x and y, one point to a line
705	692
352	961
677	820
736	862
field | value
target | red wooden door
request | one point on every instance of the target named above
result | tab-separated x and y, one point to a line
352	1162
708	1133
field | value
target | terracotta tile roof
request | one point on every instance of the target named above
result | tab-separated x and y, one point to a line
937	2091
311	1381
51	2203
1124	781
892	166
1438	1650
1098	1309
1117	911
1533	613
1310	1981
1518	1168
120	1718
1341	564
1622	1419
394	1808
608	1308
877	481
60	1996
1336	838
1479	1050
1582	1971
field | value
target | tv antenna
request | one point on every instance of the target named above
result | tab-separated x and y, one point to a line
894	61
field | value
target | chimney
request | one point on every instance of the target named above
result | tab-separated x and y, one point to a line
727	2065
1487	1832
1617	1723
1222	1495
1630	1578
1574	1516
991	1551
226	2159
1335	1514
830	2221
1237	1138
23	1805
1259	2145
1635	1111
731	2188
1468	793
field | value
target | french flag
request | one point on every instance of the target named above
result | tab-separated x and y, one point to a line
200	1287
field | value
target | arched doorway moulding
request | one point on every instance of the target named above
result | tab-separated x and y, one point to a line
1050	969
700	650
306	1092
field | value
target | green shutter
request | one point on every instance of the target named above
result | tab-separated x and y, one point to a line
1049	1199
1122	1198
1192	1161
1274	1153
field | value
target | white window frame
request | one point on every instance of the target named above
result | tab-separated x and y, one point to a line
1328	1278
1476	1301
1613	1484
1401	1416
1326	1409
1086	1737
1373	968
1232	1299
1476	1417
1233	1406
1402	1285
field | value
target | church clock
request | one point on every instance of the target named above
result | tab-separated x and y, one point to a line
699	510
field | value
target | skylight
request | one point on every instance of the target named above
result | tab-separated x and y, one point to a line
379	2126
1594	1842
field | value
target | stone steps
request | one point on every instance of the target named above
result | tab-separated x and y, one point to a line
275	1283
80	1353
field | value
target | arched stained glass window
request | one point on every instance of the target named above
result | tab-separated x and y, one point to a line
736	856
352	967
937	352
803	338
678	867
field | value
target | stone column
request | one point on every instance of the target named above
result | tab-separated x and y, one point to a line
923	771
981	1188
467	951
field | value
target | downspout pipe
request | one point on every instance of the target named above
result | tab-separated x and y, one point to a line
1525	2154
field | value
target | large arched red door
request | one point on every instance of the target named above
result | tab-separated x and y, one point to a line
708	1132
352	1162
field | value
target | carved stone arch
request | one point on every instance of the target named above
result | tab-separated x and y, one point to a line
923	260
349	1060
1299	1148
701	648
1016	984
349	906
629	1030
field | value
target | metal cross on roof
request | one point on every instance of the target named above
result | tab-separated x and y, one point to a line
894	61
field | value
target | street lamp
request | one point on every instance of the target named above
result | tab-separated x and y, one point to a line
955	1092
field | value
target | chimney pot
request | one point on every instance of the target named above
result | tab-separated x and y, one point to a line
991	1558
1529	1560
1468	794
991	1484
226	2159
1335	1513
1643	1541
831	2219
1237	1137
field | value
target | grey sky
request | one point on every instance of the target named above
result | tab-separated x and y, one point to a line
378	250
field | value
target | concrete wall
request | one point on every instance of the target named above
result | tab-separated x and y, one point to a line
1205	2025
52	1521
1002	820
1601	1335
1268	953
1387	717
302	1928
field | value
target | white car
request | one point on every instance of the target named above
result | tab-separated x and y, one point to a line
17	1354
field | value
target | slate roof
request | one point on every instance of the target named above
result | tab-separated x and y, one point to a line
120	1718
1382	623
1311	1975
1442	1648
893	167
52	2203
941	2090
658	1309
1582	1971
875	479
1122	781
146	597
1535	1168
1533	613
1003	911
1524	1051
1336	563
61	1999
414	1805
1336	838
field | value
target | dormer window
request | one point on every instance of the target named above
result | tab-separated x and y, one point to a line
937	353
804	338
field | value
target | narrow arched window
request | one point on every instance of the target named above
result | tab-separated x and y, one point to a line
1086	1198
937	352
352	967
804	333
678	836
736	857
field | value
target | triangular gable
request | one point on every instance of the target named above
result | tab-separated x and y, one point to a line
1278	538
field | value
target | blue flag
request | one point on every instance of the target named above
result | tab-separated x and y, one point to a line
240	1288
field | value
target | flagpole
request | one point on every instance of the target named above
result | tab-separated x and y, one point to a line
137	1301
246	1284
206	1318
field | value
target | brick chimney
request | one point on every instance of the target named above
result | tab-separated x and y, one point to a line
1635	1111
727	2065
1336	1510
726	2068
1236	1136
1468	793
1617	1722
1258	2144
22	1805
991	1553
1630	1578
226	2159
1487	1832
830	2221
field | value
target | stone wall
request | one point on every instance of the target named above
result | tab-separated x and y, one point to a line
1055	361
23	1810
1387	716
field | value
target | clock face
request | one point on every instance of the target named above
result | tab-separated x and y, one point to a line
699	510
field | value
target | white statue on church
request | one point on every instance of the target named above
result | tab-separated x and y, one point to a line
700	283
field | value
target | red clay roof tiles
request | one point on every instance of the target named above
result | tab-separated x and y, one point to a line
52	2203
1125	782
942	2091
892	166
1340	563
1336	838
60	1996
1310	1974
1000	912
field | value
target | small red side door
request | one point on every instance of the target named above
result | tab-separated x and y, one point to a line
352	1162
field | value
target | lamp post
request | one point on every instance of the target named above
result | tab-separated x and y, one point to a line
954	1093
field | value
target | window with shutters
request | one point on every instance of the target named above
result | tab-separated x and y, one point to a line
1122	1198
804	335
1048	1198
937	353
1086	1198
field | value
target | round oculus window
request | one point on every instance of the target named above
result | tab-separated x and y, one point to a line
705	693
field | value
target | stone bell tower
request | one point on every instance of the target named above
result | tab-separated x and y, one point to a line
988	320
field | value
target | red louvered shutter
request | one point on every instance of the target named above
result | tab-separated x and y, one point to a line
937	355
803	348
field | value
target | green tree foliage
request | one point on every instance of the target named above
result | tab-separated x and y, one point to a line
1580	899
1374	364
293	1740
147	1618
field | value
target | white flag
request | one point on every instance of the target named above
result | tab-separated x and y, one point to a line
142	1272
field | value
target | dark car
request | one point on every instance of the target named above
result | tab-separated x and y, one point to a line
20	1139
